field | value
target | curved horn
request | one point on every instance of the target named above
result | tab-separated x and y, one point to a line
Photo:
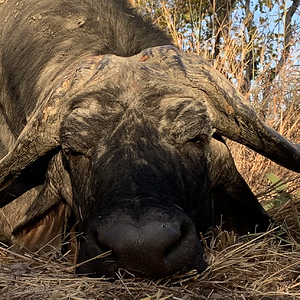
41	133
231	114
39	136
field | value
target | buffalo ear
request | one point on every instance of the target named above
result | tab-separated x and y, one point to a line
39	215
235	207
44	220
45	233
56	189
238	210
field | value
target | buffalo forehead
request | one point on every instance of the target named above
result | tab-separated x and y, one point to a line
182	120
111	92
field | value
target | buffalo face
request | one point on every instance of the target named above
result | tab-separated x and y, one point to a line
138	166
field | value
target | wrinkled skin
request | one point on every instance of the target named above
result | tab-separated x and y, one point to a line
141	170
128	146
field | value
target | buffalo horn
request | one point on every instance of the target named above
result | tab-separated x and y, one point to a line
41	133
231	115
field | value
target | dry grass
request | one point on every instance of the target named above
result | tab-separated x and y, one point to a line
264	266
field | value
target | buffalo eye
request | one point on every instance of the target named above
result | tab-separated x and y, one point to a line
69	155
70	152
194	148
199	140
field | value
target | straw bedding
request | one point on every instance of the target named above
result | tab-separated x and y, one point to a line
265	266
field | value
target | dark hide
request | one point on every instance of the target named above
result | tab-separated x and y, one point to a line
135	158
40	40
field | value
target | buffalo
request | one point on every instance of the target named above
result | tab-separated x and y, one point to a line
106	126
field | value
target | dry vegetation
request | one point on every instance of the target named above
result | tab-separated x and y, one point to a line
263	266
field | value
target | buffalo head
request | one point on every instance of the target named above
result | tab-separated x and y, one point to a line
138	145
